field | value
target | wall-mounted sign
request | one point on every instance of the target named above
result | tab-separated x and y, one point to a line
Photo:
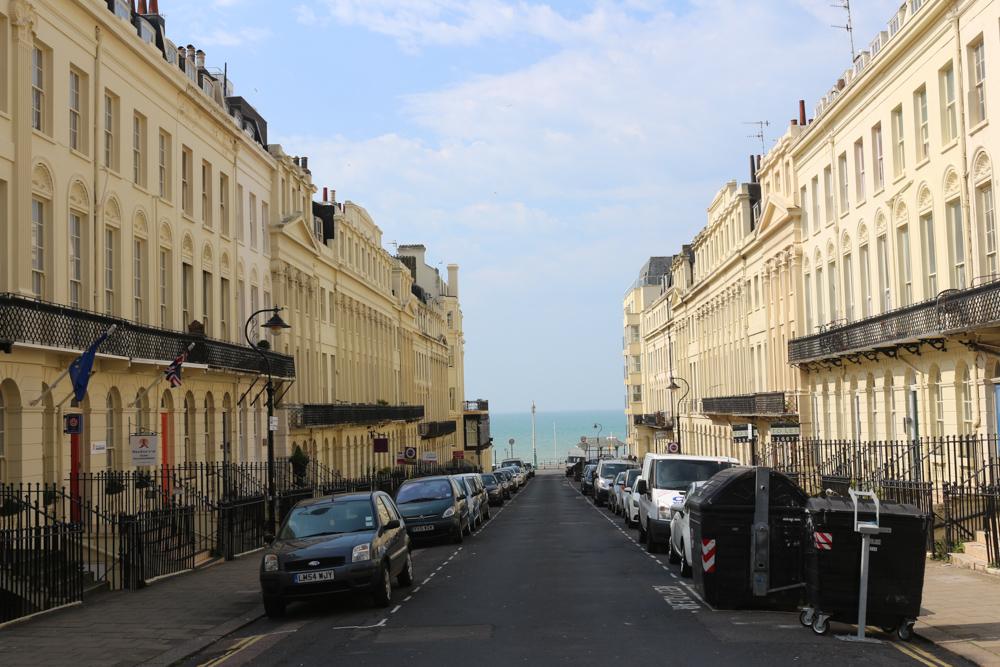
410	456
457	455
73	423
429	457
784	431
99	447
143	449
744	432
400	460
381	445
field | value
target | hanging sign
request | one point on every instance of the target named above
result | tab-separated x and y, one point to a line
73	423
456	455
784	431
381	445
743	432
143	449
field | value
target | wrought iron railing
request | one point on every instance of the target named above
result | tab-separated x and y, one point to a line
25	320
654	420
305	415
478	405
952	311
436	429
771	403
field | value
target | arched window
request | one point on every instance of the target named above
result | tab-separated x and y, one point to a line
189	452
3	440
966	407
110	431
905	270
937	404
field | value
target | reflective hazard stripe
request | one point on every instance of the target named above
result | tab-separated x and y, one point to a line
824	541
708	555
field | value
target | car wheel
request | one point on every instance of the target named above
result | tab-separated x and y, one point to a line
460	537
628	519
405	578
489	513
672	556
468	528
685	565
274	607
642	532
382	593
651	545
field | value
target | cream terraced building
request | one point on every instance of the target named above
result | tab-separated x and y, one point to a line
138	189
865	293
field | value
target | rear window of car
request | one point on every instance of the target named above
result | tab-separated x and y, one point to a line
609	470
488	479
437	489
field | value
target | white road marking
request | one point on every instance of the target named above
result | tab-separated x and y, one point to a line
396	609
407	598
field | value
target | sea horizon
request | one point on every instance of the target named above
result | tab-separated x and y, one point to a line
552	444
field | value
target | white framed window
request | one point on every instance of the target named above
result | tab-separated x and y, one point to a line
831	276
206	193
828	194
905	272
187	168
979	82
38	248
187	293
239	213
252	220
866	284
163	276
206	301
110	433
949	125
224	203
820	312
956	232
882	247
923	128
898	143
163	164
75	259
859	170
804	206
75	110
265	241
989	226
848	289
845	202
877	157
224	308
138	149
138	253
929	255
110	132
815	203
109	271
38	89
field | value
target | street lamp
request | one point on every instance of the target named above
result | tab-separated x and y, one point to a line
599	429
673	386
275	324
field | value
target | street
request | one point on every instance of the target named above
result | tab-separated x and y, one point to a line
551	578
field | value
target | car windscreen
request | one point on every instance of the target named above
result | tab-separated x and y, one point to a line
488	479
329	519
463	484
418	492
609	470
678	474
573	459
631	476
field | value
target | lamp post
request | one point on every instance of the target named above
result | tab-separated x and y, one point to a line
673	386
599	429
534	452
275	324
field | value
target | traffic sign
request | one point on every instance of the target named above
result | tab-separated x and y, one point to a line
410	454
673	448
511	441
583	438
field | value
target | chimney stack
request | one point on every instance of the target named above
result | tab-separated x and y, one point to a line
453	280
802	112
753	170
305	163
333	196
324	194
201	59
758	163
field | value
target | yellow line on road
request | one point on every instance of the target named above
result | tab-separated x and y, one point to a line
920	655
236	648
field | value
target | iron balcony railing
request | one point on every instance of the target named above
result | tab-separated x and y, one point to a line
478	405
952	311
644	282
436	429
654	420
772	403
330	414
31	321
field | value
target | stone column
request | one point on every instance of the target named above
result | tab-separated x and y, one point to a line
18	275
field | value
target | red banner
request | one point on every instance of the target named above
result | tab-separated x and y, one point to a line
457	455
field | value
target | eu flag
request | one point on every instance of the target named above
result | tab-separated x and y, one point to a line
79	370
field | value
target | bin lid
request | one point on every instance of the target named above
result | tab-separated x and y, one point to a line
887	508
736	487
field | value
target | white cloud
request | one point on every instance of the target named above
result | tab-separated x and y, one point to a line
230	37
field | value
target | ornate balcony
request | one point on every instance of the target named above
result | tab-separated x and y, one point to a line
306	415
657	420
478	405
436	429
35	322
751	405
953	311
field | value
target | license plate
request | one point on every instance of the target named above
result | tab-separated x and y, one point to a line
325	575
420	529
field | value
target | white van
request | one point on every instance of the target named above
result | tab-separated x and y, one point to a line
662	483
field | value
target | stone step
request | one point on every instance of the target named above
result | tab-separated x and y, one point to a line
981	536
968	562
977	550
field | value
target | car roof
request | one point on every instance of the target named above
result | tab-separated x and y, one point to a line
338	497
426	479
691	457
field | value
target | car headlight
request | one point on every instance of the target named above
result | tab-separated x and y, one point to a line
271	563
448	512
664	512
361	552
602	483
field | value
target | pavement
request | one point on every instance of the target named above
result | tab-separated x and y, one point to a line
177	617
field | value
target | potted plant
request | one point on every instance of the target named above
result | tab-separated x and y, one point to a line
264	344
143	480
299	460
9	506
114	485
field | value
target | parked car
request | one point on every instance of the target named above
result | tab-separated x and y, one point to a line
663	477
494	490
530	469
680	531
605	474
616	486
516	476
512	463
505	480
475	504
343	543
630	498
434	507
476	487
587	479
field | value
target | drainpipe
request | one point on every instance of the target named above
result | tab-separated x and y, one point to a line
95	237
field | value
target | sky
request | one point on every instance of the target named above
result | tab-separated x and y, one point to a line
548	149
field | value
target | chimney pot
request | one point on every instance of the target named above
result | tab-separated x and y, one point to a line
182	52
142	7
305	163
802	112
753	170
795	121
296	160
758	163
324	195
811	120
333	195
154	7
201	58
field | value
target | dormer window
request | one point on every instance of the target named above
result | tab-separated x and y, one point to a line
189	68
170	53
318	228
206	85
248	128
122	10
146	33
894	25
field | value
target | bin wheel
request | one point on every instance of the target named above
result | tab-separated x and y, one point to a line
806	616
905	631
821	624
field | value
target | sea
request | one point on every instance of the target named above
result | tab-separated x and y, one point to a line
555	432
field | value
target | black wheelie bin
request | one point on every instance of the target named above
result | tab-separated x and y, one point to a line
896	560
747	538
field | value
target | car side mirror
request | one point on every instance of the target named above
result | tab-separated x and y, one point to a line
269	539
641	487
392	524
677	508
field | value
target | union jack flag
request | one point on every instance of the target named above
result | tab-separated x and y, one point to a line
174	370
